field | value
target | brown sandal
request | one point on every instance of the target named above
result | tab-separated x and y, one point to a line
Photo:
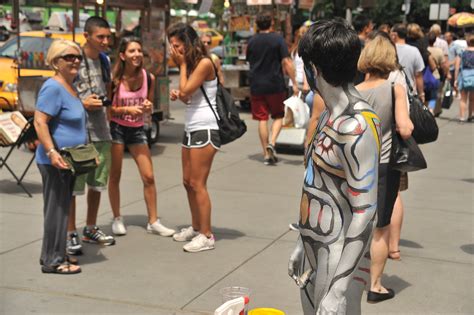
63	269
394	255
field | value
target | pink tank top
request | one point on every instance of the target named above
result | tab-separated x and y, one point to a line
124	98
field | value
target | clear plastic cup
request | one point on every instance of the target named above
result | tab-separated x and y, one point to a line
230	293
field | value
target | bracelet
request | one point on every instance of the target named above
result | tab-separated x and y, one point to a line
50	151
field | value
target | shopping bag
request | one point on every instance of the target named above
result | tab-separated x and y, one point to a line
296	112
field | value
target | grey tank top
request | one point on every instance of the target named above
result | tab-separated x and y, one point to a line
380	99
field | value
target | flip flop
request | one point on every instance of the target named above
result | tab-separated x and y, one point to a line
393	253
63	269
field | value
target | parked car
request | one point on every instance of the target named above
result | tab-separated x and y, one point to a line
34	47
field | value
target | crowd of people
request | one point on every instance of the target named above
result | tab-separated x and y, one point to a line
72	110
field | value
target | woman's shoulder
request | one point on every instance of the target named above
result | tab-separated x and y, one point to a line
51	86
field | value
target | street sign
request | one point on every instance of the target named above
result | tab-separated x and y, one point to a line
441	14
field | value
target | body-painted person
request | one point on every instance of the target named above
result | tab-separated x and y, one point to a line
339	197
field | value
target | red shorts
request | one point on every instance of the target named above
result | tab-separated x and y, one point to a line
264	104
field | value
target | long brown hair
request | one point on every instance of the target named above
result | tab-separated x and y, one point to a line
194	48
298	35
119	66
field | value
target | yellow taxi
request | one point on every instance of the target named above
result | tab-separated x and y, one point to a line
33	49
216	37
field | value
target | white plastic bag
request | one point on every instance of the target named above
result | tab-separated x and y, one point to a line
297	108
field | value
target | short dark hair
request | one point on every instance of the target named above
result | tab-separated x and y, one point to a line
401	30
333	47
264	21
95	22
360	22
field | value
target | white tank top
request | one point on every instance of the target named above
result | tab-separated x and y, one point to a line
198	114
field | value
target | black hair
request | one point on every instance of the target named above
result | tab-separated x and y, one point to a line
360	22
264	21
431	38
401	30
95	22
333	47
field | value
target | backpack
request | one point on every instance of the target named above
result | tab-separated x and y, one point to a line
231	127
105	67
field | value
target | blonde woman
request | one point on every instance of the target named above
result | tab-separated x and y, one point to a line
298	63
60	121
465	63
378	60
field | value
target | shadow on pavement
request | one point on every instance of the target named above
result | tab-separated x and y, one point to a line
395	282
410	244
468	180
468	249
221	233
92	254
9	186
281	160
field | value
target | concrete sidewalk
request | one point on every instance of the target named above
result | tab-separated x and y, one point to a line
252	206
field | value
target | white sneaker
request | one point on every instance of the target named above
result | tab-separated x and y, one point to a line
118	226
185	235
200	243
158	228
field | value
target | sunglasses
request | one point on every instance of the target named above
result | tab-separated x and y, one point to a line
206	43
310	72
71	57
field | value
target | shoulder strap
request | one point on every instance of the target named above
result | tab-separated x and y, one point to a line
209	102
148	79
105	66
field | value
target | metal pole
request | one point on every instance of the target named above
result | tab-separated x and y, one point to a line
439	11
75	18
16	17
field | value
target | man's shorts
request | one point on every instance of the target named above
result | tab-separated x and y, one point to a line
127	135
264	104
201	138
98	178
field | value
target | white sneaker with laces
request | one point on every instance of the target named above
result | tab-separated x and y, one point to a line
200	243
118	226
185	235
158	228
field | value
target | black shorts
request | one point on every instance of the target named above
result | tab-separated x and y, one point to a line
389	182
201	138
127	135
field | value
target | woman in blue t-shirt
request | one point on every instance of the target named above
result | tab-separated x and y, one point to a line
60	121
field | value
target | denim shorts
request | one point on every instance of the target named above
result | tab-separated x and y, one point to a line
127	135
201	138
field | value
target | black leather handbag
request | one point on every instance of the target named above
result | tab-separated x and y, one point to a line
406	156
425	126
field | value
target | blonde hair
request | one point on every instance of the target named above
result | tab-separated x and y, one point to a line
378	56
298	35
414	31
57	49
435	28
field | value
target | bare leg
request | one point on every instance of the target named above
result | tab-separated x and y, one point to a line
196	186
141	155
186	162
276	127
263	133
71	222
114	179
378	255
93	203
463	105
395	227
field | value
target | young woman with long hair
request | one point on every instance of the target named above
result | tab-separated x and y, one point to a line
201	132
132	92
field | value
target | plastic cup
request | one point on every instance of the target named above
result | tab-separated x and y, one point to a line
230	293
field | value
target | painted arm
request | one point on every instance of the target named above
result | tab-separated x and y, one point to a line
360	159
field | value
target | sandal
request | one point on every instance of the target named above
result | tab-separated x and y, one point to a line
63	269
394	255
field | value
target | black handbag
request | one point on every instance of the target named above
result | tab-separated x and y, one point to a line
425	126
231	127
447	95
406	156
